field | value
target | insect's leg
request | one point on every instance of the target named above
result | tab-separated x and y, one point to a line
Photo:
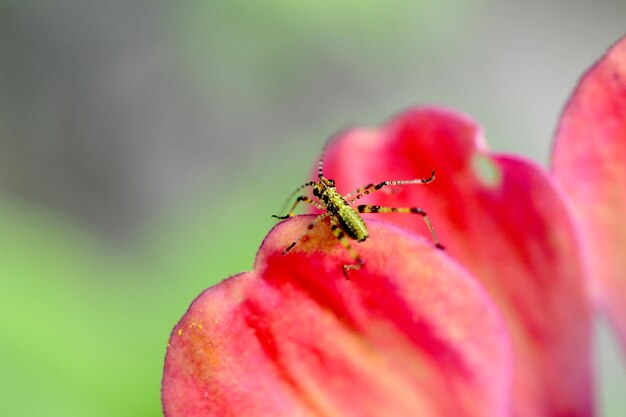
358	191
345	242
370	188
369	208
294	193
308	229
302	198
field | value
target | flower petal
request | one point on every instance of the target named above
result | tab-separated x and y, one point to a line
505	221
408	334
590	161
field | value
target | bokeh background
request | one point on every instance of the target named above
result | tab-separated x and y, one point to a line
144	145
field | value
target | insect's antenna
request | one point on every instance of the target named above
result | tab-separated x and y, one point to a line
320	163
333	138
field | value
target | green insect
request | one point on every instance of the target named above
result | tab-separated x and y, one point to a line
345	220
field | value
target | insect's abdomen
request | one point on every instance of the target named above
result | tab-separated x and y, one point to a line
348	218
352	223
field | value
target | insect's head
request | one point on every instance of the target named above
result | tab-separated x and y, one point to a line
322	185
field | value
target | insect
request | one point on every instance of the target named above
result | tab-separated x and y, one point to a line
345	221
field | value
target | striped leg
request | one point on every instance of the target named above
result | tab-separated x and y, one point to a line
294	193
370	188
308	229
345	242
369	208
302	198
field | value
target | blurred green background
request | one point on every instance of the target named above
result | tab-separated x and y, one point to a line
145	144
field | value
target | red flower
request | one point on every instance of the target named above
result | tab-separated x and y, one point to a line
590	161
499	324
411	333
504	219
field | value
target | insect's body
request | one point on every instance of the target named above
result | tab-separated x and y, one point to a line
347	217
345	220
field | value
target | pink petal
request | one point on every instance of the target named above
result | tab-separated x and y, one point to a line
590	161
503	218
409	334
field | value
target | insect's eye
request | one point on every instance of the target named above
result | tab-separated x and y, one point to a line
332	183
316	192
